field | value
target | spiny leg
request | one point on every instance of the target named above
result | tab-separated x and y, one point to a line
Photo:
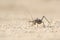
45	19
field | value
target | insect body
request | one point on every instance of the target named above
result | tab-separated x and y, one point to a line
38	21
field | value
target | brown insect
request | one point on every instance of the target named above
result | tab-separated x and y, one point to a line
39	21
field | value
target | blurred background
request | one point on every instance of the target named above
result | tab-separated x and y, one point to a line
12	9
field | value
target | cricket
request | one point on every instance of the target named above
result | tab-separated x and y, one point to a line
39	21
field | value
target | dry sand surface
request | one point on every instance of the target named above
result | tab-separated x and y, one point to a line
15	14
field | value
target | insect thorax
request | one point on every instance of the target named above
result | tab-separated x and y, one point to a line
38	21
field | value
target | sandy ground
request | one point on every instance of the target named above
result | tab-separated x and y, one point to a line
15	14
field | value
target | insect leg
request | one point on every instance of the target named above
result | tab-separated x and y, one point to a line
43	24
45	19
